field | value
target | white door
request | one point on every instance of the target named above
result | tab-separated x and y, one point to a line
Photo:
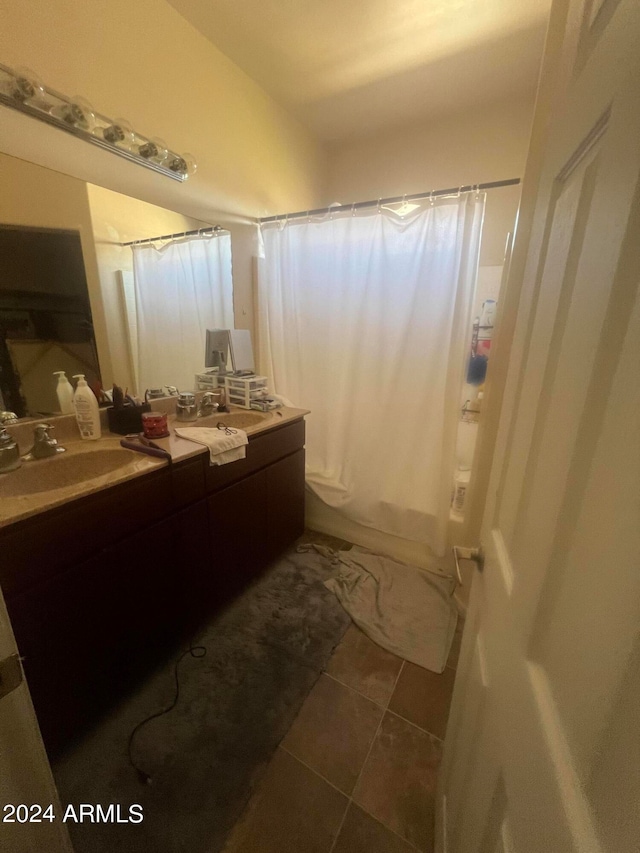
542	753
25	775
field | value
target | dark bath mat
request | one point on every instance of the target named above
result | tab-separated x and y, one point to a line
264	653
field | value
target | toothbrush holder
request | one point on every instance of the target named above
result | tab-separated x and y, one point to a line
127	419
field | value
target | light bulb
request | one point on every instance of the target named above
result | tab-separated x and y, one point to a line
154	149
192	166
185	165
119	133
78	113
25	85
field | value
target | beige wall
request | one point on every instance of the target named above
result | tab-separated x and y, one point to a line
144	61
489	144
31	195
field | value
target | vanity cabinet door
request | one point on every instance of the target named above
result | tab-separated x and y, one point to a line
88	632
148	611
188	482
262	450
238	522
285	502
63	629
199	592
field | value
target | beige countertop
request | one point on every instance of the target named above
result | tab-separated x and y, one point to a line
20	494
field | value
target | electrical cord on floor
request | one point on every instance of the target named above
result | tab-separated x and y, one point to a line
195	652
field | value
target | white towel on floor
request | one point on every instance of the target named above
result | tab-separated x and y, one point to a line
223	448
406	610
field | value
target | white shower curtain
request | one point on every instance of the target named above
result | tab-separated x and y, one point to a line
364	319
182	289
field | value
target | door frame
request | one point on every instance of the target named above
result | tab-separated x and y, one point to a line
551	83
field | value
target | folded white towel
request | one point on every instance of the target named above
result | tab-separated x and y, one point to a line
223	448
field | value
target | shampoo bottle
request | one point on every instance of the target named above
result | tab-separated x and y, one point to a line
87	409
64	390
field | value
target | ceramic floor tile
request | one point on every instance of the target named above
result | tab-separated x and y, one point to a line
423	697
292	811
359	663
398	781
333	732
360	833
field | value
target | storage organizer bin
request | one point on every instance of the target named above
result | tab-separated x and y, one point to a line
241	390
207	381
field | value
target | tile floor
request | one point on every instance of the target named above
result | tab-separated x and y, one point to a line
357	771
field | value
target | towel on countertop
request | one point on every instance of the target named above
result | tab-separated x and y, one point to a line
223	448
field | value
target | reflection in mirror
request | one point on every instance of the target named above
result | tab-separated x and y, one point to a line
180	290
140	335
45	317
161	294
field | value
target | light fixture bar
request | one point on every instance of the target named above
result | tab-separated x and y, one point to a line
50	106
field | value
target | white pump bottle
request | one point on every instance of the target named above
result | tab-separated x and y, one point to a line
87	409
64	390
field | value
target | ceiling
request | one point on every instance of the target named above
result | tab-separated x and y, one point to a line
348	68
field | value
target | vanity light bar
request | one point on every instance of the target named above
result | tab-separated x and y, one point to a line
21	90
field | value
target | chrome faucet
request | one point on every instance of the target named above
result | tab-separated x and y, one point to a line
8	418
44	445
208	404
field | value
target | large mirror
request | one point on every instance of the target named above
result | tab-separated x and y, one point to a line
45	316
69	299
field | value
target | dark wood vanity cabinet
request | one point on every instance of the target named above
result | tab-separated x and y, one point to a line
86	633
100	588
285	502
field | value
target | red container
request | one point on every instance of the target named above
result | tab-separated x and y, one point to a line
154	425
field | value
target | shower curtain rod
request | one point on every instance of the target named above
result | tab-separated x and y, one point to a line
491	185
210	230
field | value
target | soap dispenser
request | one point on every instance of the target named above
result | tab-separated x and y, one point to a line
64	390
87	409
9	453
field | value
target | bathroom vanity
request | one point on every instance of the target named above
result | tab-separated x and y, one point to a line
101	585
